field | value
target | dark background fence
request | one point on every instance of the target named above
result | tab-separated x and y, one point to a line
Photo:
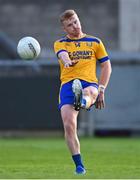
29	99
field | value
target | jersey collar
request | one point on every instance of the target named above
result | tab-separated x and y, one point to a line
84	35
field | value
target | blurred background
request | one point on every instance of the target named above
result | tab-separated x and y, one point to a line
29	89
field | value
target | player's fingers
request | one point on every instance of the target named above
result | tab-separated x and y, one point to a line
67	65
98	105
102	104
74	61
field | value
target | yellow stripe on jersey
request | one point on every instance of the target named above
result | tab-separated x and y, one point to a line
86	51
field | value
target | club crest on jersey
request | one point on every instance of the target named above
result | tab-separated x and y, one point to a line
77	44
89	44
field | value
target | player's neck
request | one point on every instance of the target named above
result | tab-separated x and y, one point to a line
78	36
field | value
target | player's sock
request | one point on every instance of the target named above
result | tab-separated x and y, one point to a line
79	164
77	160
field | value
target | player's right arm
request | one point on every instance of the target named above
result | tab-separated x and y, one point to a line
64	57
62	54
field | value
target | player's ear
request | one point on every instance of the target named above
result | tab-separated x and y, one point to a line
63	28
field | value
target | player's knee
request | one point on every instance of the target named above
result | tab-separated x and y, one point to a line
69	128
86	92
94	93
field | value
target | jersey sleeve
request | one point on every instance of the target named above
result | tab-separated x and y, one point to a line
101	53
59	47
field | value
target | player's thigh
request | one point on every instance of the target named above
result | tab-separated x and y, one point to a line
68	114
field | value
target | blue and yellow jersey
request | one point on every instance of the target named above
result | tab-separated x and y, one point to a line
86	51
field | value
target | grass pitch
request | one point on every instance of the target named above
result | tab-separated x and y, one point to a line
49	158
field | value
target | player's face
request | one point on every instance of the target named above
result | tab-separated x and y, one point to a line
72	26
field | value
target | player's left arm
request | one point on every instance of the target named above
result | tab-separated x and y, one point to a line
103	82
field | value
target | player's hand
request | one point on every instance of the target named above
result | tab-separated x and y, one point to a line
74	62
71	63
68	64
100	101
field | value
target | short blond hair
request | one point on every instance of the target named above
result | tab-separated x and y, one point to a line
67	14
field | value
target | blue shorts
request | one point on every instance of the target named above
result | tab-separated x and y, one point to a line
66	95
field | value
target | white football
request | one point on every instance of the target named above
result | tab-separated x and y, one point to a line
28	48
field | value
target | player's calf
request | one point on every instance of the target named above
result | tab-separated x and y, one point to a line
89	97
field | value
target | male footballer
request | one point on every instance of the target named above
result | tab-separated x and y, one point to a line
78	54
